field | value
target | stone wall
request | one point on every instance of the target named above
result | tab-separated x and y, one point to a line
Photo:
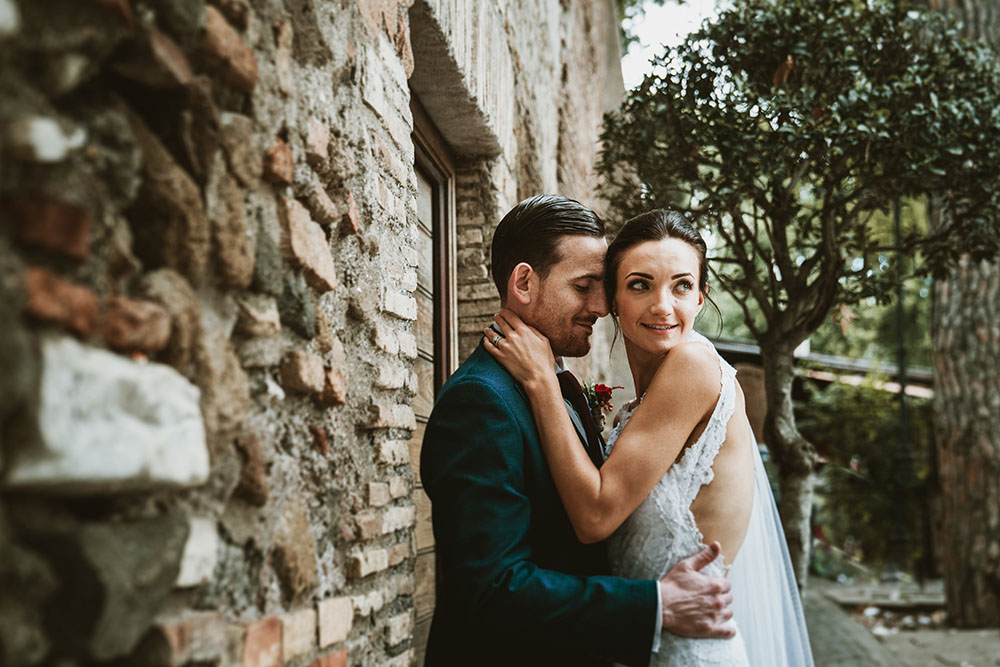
207	266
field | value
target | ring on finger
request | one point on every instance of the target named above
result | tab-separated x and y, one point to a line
496	340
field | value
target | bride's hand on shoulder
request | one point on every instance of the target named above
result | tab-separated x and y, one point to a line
521	349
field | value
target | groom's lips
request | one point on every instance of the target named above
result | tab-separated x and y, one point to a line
586	324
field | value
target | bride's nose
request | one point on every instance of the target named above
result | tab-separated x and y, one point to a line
662	305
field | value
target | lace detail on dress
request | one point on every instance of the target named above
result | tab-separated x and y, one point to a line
662	530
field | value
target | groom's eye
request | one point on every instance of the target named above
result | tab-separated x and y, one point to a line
582	288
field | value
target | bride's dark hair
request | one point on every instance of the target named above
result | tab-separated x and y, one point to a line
654	225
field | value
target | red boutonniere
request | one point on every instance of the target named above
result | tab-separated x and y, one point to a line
599	398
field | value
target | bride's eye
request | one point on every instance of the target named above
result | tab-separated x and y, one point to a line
685	286
638	284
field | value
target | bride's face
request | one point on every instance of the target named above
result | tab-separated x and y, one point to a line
657	296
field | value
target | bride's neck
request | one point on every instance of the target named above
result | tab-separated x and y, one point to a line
643	366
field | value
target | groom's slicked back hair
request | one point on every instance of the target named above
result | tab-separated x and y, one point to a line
530	233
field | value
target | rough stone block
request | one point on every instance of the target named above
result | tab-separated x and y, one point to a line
320	441
390	375
303	372
334	390
350	222
296	306
378	494
227	51
304	243
399	487
226	394
169	289
469	236
284	40
336	615
158	63
191	638
335	659
393	452
298	634
404	659
252	485
392	416
362	563
400	305
385	338
258	316
51	224
369	524
279	164
245	161
57	301
200	553
107	424
321	207
42	139
262	646
317	143
132	324
365	605
399	553
407	344
399	628
234	253
295	551
398	518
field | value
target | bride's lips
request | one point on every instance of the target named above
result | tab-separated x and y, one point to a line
660	328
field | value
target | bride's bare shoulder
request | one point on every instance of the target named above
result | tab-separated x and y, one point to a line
692	371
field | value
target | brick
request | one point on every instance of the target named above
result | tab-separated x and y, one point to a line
193	637
390	375
378	494
57	301
398	518
401	305
284	39
365	605
350	222
262	645
51	224
335	659
336	615
392	416
399	487
279	164
305	244
369	524
298	634
252	485
393	452
363	563
227	51
477	292
257	316
385	338
334	390
302	372
321	207
398	628
399	553
407	344
132	324
317	143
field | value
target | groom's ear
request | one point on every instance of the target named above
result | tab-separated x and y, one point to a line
522	284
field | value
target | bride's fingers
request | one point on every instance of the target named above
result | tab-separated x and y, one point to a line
502	324
490	346
511	318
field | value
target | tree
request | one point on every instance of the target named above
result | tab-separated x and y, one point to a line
782	128
966	353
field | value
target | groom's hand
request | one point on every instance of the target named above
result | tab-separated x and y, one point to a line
695	604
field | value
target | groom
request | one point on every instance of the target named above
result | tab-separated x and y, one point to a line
515	586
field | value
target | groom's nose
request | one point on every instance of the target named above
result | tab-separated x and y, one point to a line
598	301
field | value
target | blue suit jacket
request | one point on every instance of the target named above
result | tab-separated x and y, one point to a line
515	586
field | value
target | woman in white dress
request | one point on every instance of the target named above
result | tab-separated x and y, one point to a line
682	467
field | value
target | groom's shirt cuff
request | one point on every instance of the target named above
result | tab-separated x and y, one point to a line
658	626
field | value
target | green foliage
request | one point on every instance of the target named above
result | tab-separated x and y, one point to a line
858	429
788	128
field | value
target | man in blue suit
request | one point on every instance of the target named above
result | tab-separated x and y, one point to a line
515	586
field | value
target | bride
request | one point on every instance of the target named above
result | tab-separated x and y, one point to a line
682	469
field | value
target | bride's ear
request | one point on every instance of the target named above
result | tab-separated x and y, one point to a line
522	284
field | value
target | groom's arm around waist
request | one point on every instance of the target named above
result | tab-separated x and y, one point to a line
473	467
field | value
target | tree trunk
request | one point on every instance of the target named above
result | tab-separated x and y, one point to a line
966	334
793	454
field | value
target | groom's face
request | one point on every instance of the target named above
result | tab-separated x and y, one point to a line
571	296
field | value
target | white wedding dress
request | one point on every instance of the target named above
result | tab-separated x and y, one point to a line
662	531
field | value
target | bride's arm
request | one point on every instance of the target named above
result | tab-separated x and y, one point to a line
683	392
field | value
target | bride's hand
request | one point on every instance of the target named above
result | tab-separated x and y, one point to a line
522	349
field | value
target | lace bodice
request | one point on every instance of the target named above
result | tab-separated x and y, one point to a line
662	530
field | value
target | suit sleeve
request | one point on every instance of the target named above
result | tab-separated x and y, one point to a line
472	465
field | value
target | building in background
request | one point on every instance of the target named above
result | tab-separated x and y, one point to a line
241	245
